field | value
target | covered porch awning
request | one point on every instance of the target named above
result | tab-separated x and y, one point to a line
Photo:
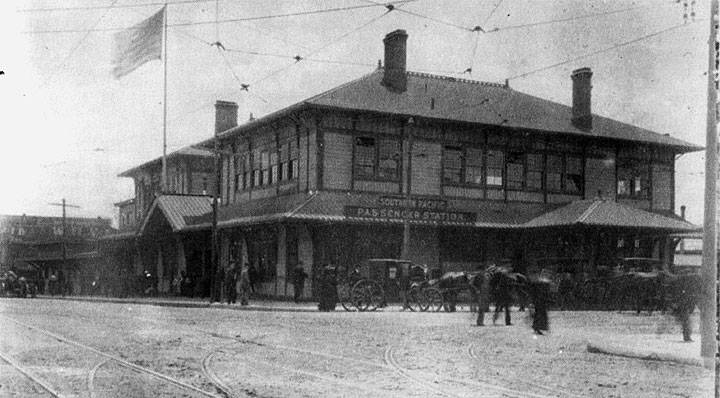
186	214
372	208
610	214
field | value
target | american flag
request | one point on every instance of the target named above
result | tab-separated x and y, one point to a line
138	44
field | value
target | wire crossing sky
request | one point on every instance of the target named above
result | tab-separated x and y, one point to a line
646	57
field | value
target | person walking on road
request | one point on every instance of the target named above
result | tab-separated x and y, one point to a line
243	285
540	296
253	275
328	289
299	276
231	278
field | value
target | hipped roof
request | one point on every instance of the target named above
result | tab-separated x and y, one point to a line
460	100
605	213
192	150
178	210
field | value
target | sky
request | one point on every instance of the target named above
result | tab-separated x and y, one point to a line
68	127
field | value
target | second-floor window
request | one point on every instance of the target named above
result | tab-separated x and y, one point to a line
377	158
288	160
633	179
564	173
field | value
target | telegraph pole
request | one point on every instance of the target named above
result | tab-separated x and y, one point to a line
708	319
64	226
215	287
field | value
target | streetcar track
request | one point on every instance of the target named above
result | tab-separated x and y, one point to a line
471	352
35	379
91	377
116	359
214	379
316	375
508	392
390	360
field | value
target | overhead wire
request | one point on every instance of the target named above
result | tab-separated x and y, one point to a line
232	20
332	42
80	42
487	19
87	8
593	53
569	19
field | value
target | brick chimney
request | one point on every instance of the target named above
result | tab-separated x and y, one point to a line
225	115
582	87
395	77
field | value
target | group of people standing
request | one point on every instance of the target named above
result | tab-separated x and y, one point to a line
238	281
326	282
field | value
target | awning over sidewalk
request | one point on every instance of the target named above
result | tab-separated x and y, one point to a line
605	213
192	213
373	208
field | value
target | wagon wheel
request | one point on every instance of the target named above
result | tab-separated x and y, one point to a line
344	293
433	299
416	300
367	295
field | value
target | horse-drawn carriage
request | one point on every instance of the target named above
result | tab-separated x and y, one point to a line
368	286
14	285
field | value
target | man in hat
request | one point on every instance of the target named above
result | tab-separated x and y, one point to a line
298	277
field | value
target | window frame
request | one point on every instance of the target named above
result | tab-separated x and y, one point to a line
376	157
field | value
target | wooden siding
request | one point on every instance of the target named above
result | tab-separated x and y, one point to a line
242	196
312	160
600	178
662	189
303	161
263	192
495	194
560	198
377	186
426	168
337	161
463	192
522	196
639	204
287	187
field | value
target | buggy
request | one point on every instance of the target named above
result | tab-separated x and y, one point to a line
369	285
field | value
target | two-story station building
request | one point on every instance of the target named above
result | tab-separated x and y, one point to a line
443	171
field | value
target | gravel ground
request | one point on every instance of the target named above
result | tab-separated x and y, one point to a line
287	354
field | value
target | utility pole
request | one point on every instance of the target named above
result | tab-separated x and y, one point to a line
708	316
63	239
215	287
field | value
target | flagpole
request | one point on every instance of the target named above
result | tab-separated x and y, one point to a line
163	181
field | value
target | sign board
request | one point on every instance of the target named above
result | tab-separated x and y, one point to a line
412	203
388	213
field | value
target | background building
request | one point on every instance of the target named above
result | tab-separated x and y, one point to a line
50	245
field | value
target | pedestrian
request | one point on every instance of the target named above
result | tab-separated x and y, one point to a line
298	277
243	284
177	283
231	277
327	289
53	282
481	291
253	275
185	285
684	290
539	288
501	288
218	285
